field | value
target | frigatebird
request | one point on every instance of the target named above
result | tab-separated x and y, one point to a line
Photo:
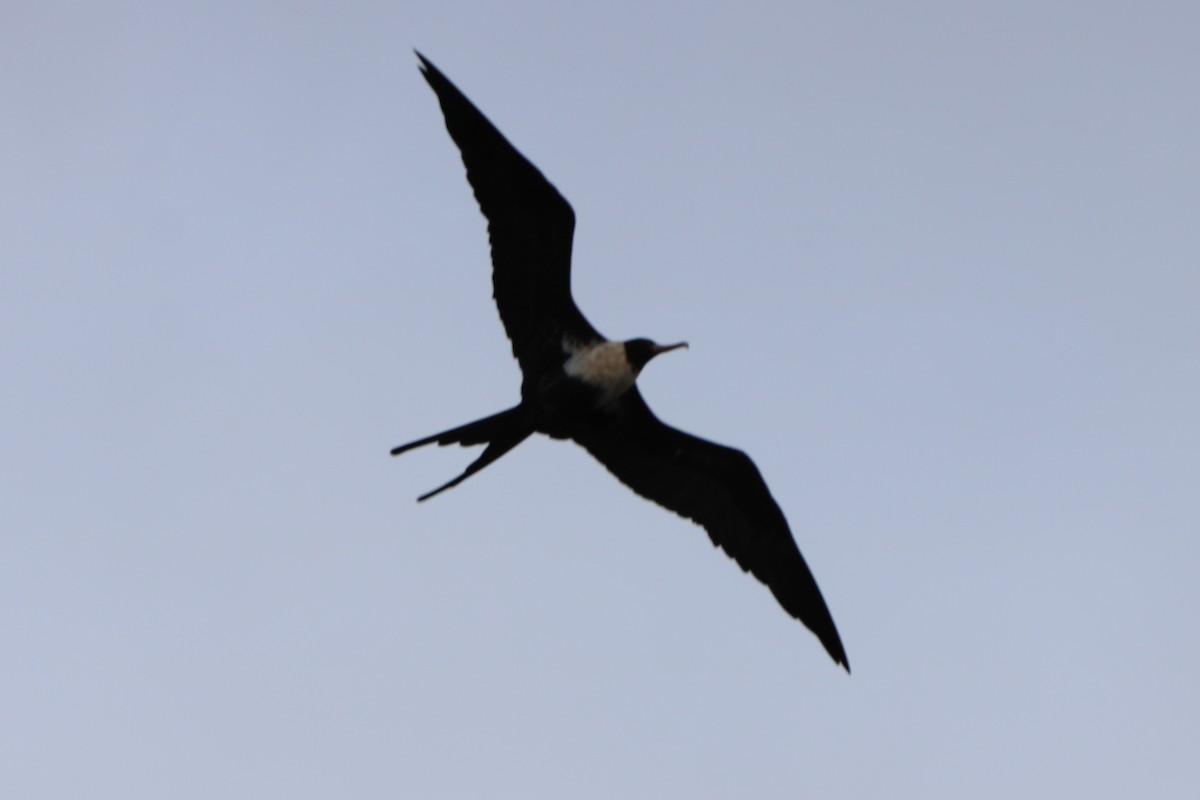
578	385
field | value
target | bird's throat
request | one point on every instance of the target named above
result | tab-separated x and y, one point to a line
603	367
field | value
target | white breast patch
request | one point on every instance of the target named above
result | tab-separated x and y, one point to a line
604	366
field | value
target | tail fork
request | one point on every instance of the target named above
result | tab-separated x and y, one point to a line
501	432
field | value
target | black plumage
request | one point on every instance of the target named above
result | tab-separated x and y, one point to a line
580	386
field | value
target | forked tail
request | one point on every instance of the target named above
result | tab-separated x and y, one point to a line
501	432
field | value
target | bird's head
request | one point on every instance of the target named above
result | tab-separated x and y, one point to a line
638	352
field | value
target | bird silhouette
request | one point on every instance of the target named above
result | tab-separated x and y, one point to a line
580	386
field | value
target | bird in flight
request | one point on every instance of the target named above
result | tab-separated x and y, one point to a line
581	386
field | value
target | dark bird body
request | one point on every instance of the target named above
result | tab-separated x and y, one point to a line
581	386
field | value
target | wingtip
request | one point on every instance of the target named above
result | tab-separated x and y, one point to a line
833	646
838	654
426	66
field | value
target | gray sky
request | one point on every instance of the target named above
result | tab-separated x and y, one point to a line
939	265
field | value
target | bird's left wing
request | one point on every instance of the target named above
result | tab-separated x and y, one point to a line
720	489
530	226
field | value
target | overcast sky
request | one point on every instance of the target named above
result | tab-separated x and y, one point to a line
939	266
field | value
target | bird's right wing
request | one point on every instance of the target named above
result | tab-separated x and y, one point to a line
720	489
530	226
